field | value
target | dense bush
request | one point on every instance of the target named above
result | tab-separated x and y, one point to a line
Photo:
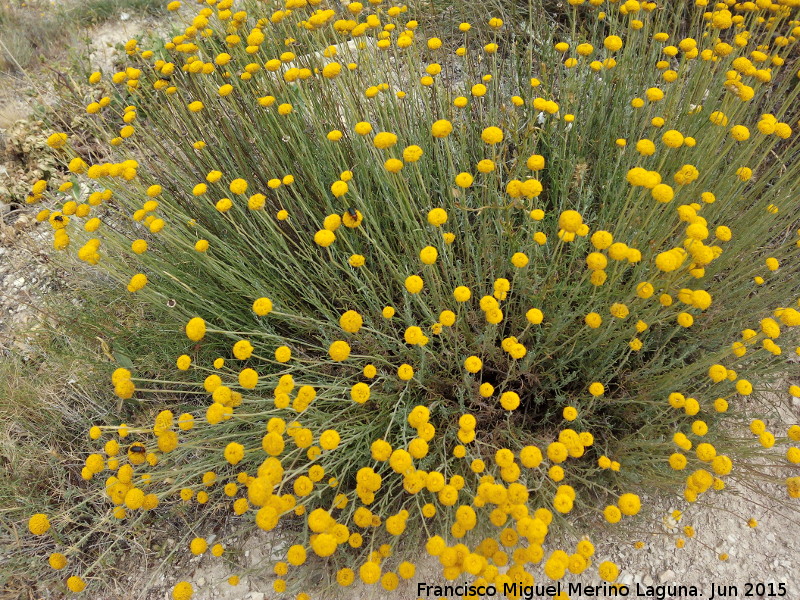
456	295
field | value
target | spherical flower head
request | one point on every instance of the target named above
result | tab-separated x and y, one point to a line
324	544
437	217
613	43
677	461
473	364
182	591
76	584
602	239
597	389
339	188
629	504
198	545
38	524
262	306
612	514
619	310
464	180
608	571
234	453
492	135
744	387
57	561
57	140
412	153
384	140
428	255
740	133
519	260
405	372
351	321
414	284
196	329
242	350
329	439
596	261
509	400
393	165
486	166
654	94
535	162
441	128
137	282
672	138
339	350
324	238
570	413
593	320
570	221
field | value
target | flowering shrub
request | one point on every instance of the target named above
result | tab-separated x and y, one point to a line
461	296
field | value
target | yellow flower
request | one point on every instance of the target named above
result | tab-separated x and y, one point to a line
351	321
613	43
137	282
57	140
428	255
339	188
57	561
412	153
473	364
184	589
405	372
384	140
196	329
464	180
608	571
362	128
492	135
437	217
262	306
339	350
393	165
441	128
414	284
248	379
238	186
76	584
324	238
38	524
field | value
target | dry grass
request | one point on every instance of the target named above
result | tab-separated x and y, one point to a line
37	32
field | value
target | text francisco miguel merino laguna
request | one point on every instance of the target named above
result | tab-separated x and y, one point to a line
529	592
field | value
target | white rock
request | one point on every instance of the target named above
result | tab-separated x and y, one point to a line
667	575
256	595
